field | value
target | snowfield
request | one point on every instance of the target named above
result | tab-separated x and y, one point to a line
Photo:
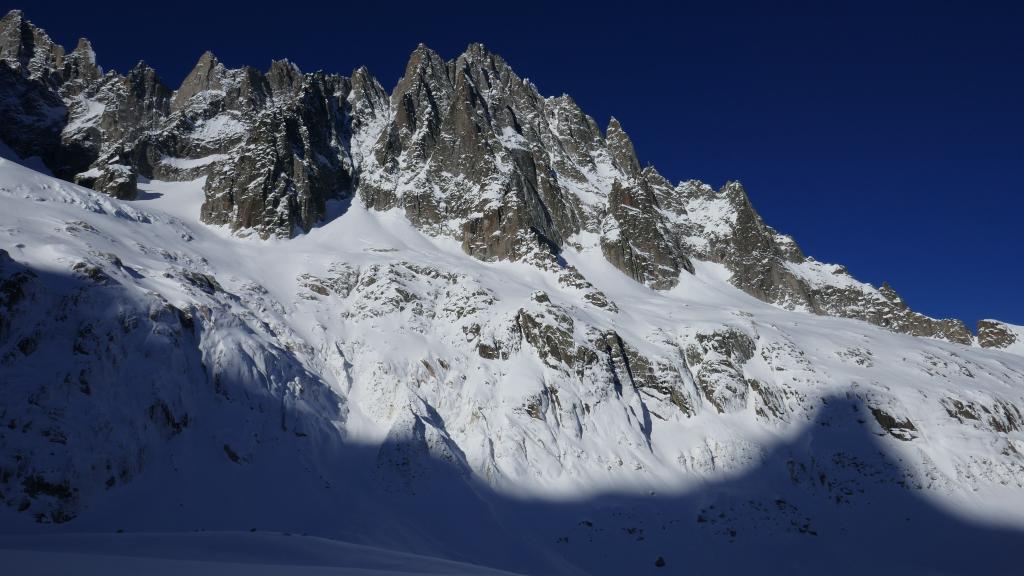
221	554
377	388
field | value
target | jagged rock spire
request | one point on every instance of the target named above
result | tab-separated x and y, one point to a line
418	104
205	75
283	75
80	68
28	49
369	106
635	237
621	148
419	100
466	147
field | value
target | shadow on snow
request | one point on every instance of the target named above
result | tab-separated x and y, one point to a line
830	501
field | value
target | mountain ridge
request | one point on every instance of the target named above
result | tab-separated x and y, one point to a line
532	198
477	328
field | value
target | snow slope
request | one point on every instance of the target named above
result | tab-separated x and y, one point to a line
214	554
368	383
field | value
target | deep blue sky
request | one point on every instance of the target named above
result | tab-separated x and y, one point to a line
888	137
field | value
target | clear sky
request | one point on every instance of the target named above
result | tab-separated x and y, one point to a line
887	136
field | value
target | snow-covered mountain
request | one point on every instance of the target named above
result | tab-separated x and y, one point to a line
460	321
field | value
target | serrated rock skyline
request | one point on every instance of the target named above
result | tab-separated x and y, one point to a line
461	319
466	148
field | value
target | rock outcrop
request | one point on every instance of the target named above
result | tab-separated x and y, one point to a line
592	371
466	148
1000	335
723	227
27	49
635	237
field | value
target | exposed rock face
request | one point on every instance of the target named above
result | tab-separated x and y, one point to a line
635	237
727	229
292	159
79	69
723	227
27	49
108	117
13	279
368	107
31	115
474	151
117	180
463	154
885	308
603	363
717	359
466	148
208	74
275	146
418	102
996	334
620	147
665	382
